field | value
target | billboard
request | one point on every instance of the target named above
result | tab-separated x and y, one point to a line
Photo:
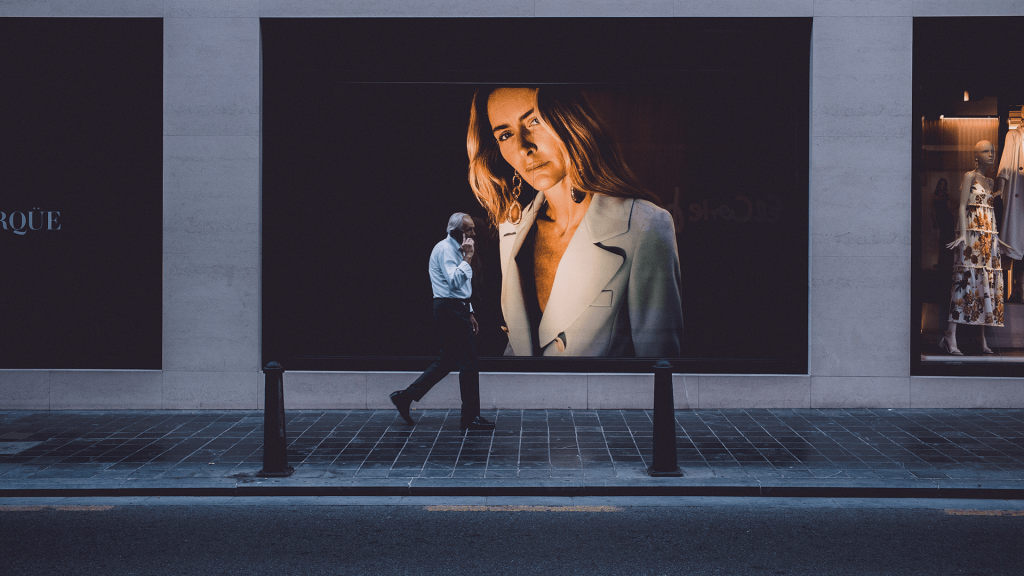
638	187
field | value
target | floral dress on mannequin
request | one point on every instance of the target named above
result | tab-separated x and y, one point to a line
977	296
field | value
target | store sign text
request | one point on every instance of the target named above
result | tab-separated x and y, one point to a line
32	220
741	209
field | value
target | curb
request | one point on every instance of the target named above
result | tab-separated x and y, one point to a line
978	492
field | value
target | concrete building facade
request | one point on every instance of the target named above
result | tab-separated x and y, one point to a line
859	326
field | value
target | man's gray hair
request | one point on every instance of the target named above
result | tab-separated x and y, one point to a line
455	222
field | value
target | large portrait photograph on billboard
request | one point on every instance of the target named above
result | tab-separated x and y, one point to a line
590	193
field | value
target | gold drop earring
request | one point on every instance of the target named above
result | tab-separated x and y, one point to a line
515	212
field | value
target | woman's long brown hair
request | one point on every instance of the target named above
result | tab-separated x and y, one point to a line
595	164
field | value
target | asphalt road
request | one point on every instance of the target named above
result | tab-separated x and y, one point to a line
492	536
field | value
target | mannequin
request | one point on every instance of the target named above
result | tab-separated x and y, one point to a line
977	294
1010	178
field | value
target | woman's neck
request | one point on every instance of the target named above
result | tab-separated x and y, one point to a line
562	211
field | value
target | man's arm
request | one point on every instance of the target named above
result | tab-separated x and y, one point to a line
459	272
468	251
456	266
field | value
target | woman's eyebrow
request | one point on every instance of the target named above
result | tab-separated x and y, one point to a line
521	118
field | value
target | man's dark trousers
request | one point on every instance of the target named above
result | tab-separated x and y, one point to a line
457	351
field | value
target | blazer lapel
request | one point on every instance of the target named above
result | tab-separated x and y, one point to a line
513	305
585	268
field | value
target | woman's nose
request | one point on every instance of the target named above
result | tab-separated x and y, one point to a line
525	142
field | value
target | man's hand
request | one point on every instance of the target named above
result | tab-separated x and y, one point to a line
468	249
472	322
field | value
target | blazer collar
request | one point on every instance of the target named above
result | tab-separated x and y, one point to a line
523	228
584	270
513	304
607	217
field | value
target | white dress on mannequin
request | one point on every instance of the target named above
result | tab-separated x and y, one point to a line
977	295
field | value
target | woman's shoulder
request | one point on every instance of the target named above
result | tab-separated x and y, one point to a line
647	207
647	211
634	210
976	179
648	220
634	207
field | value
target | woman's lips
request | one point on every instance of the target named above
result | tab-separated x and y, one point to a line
533	167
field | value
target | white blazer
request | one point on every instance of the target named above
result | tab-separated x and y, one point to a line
616	289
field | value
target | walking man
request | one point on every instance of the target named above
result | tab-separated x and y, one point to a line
450	278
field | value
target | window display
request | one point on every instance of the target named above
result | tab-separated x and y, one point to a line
968	312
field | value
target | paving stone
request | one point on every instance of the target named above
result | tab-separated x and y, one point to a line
371	448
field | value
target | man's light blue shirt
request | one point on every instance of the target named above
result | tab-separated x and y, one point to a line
450	275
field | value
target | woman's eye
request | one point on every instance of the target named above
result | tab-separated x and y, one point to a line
504	136
533	121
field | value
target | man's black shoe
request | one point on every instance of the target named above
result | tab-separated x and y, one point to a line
402	401
477	423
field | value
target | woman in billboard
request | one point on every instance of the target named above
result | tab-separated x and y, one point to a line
977	294
589	267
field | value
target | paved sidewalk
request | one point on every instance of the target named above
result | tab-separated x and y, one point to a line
836	453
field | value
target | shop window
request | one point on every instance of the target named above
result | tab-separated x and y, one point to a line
81	180
968	206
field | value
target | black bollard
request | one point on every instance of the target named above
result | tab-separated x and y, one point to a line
275	439
665	463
